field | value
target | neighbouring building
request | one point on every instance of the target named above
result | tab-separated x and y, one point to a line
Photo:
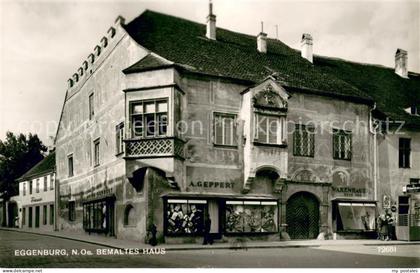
35	203
170	122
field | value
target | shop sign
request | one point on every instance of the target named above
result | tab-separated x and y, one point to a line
34	199
212	184
350	191
100	194
412	188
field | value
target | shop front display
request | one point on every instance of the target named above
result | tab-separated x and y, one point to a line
185	216
354	216
251	216
98	216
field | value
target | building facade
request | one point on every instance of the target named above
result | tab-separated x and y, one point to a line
171	123
36	202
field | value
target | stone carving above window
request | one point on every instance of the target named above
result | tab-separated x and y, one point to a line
268	98
340	178
304	176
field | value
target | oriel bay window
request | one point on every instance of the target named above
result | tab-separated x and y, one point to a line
269	129
149	118
224	129
184	216
342	144
251	216
303	140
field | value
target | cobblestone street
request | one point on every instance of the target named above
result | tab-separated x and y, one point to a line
347	256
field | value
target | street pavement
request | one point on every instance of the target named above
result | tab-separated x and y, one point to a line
329	256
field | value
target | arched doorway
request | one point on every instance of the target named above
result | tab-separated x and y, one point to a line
302	216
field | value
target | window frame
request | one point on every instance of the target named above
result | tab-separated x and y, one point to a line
37	185
234	139
24	188
44	215
404	153
96	152
311	140
280	134
30	187
70	167
52	186
119	139
91	102
143	114
52	214
45	183
342	134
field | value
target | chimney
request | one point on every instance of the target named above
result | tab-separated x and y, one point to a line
211	23
306	47
401	63
262	40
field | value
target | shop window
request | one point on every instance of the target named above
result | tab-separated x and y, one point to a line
185	216
404	152
355	216
51	214
342	144
95	216
72	210
119	136
303	140
44	215
224	129
129	216
149	118
268	129
251	216
70	165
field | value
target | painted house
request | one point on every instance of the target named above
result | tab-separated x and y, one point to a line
171	123
36	202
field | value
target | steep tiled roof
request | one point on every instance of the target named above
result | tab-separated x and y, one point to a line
45	166
235	55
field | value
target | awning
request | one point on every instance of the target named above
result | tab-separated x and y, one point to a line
217	196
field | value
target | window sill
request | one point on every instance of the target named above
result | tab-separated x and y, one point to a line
282	145
309	156
342	159
233	147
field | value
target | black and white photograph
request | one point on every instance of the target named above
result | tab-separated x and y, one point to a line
197	134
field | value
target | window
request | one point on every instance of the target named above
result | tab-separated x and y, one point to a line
129	216
30	187
72	210
185	216
342	144
70	165
24	188
44	215
268	129
52	182
404	152
251	216
303	140
96	152
30	217
37	186
119	136
51	214
45	184
91	106
149	118
97	215
224	129
354	216
23	216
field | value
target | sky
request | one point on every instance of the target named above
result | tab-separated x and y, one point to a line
43	42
